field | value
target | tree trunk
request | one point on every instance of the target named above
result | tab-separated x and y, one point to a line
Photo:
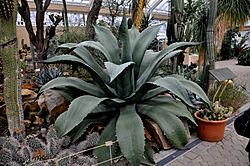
12	83
91	19
66	22
37	38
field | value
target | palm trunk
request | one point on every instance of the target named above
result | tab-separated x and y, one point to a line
138	12
8	53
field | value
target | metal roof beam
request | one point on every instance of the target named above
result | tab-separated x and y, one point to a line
154	5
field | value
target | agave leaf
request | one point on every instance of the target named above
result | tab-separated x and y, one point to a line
123	76
126	79
149	56
153	65
125	82
77	111
124	37
64	58
150	70
154	92
108	134
194	88
171	125
149	152
74	83
68	93
141	44
108	40
137	96
66	45
130	134
174	86
86	56
114	70
79	130
133	34
98	46
100	79
170	105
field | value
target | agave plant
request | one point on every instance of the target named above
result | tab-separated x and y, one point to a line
124	92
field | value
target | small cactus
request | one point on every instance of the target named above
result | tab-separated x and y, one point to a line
53	147
26	153
63	159
33	149
91	140
13	163
6	156
11	144
2	141
18	158
35	143
52	133
65	141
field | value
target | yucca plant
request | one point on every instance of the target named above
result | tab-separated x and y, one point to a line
124	92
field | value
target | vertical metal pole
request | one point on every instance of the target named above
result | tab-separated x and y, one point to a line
110	154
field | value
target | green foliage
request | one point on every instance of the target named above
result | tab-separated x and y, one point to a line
227	51
240	45
195	18
244	57
74	35
122	87
237	12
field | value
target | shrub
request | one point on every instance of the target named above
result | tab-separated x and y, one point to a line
233	96
244	57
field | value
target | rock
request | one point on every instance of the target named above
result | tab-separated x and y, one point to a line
52	102
28	95
38	120
29	86
28	57
27	123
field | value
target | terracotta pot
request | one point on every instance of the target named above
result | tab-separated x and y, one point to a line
211	131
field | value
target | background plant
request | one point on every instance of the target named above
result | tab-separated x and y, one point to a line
124	92
233	96
72	36
244	57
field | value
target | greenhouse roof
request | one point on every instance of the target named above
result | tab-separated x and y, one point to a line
157	7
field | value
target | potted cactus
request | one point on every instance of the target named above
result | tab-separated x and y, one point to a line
212	123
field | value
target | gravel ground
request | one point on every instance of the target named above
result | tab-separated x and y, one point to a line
242	72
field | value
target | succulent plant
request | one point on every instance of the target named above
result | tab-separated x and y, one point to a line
218	112
47	74
124	91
